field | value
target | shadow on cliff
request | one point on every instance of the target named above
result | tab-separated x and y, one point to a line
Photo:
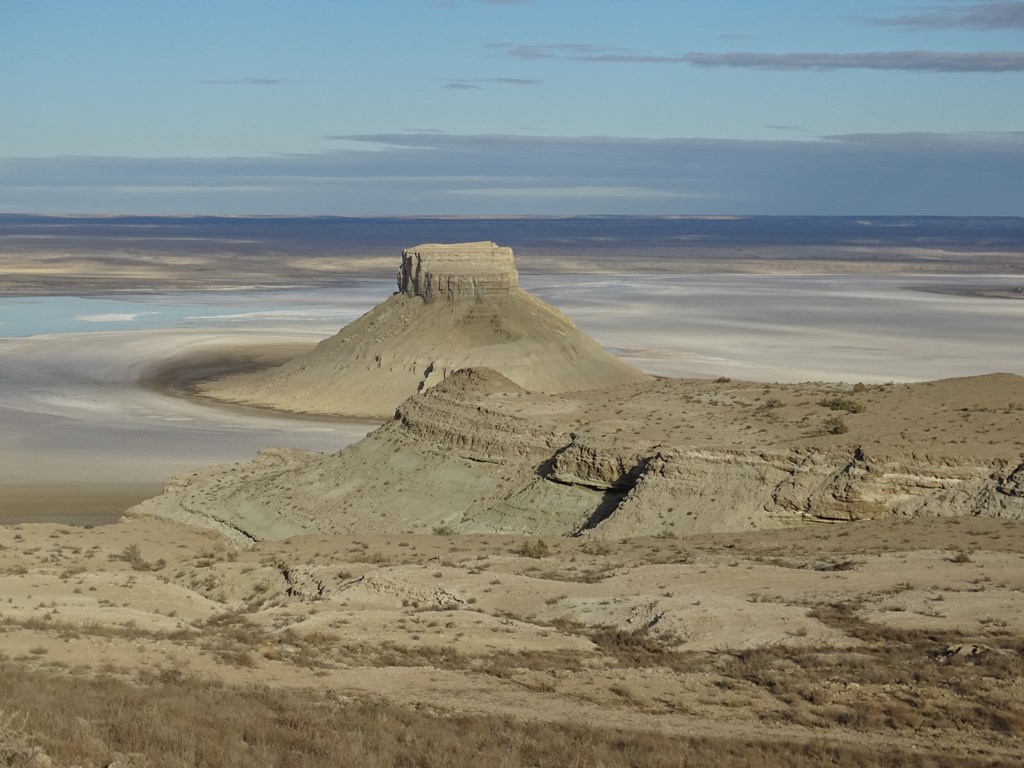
612	494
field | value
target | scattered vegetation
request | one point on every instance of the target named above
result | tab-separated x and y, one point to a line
823	702
172	720
901	678
838	403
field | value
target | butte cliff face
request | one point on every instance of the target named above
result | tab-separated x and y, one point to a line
479	454
458	272
457	306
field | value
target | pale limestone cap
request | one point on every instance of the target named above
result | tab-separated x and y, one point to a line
457	271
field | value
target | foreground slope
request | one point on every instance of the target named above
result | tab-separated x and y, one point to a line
895	643
457	306
478	453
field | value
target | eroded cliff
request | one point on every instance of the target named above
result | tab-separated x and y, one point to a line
436	272
480	453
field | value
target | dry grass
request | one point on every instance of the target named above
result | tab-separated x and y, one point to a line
535	549
171	720
828	687
133	556
837	403
882	681
639	649
893	678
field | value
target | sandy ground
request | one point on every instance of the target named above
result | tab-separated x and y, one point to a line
645	635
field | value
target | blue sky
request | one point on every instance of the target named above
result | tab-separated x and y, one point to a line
512	107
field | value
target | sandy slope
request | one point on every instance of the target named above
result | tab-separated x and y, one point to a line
406	345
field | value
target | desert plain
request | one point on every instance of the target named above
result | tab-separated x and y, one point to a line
874	633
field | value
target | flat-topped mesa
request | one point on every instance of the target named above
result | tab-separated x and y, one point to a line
457	271
458	306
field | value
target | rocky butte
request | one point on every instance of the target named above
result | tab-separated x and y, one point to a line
457	306
457	272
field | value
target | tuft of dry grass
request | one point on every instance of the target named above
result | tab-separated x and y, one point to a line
535	549
133	556
834	425
838	403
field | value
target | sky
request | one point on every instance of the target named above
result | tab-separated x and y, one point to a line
512	107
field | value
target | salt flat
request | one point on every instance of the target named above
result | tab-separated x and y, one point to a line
791	328
78	412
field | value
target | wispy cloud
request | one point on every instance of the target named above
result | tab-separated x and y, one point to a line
909	61
575	51
426	172
980	15
646	154
476	83
247	81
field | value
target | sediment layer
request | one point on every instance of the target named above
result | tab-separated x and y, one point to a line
465	271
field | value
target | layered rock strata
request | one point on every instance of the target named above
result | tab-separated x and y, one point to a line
458	306
457	272
479	454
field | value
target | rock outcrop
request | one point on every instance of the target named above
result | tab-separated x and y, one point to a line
478	453
457	272
458	306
